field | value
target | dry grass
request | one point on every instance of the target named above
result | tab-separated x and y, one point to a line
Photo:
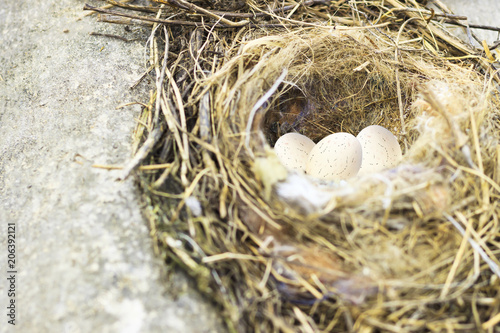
411	249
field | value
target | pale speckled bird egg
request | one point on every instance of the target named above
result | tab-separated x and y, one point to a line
335	157
293	150
381	149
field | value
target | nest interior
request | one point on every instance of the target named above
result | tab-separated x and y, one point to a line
411	249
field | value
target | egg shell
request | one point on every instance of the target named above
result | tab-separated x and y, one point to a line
335	157
381	149
293	150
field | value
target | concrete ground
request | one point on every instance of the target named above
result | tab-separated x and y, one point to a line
481	12
84	257
84	254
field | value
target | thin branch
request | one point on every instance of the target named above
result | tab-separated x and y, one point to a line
200	10
276	10
103	7
143	18
428	12
110	18
181	22
218	12
133	7
153	137
474	26
111	36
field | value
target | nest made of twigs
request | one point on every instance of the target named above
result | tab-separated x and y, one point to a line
413	248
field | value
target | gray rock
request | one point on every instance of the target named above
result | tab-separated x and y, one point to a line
84	255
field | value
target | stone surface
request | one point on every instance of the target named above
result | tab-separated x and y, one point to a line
482	12
84	255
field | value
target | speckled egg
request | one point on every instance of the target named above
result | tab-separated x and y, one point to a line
293	150
336	157
381	149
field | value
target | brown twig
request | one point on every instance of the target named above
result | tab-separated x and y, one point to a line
103	7
148	145
200	10
110	18
221	13
143	18
474	26
111	36
276	10
142	167
182	22
495	45
429	12
133	7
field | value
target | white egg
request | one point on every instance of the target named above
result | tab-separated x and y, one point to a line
381	149
335	157
293	150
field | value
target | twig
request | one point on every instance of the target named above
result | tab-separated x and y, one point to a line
222	13
494	46
276	10
427	12
200	10
143	18
143	152
142	167
442	6
139	80
103	7
469	35
112	36
188	23
474	26
133	7
110	18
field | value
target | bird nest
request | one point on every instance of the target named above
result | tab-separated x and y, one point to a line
412	248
